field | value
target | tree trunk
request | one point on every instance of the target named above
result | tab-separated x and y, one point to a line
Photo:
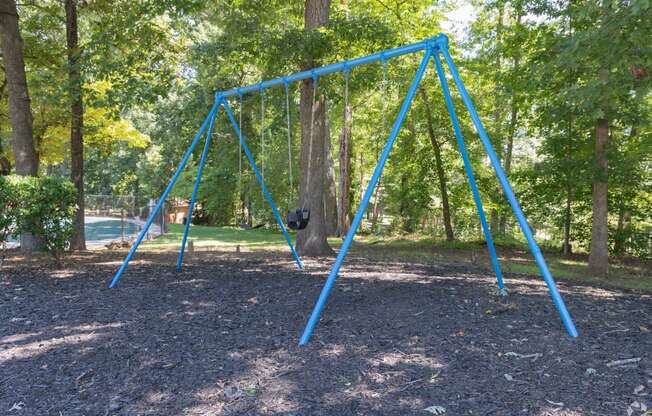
599	255
78	241
344	206
494	217
439	167
567	249
20	114
513	124
312	240
5	164
330	193
509	150
568	215
624	218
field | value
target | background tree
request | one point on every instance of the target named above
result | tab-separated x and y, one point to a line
78	241
20	112
314	127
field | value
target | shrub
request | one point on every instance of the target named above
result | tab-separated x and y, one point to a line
45	207
8	213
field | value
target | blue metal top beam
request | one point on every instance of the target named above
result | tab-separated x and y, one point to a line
439	41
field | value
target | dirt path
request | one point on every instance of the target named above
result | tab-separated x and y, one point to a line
220	339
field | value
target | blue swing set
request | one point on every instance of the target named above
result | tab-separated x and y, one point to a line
434	48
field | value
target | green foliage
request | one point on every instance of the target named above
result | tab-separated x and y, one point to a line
8	210
41	206
540	73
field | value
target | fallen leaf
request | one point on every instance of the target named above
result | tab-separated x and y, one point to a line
17	406
623	362
435	410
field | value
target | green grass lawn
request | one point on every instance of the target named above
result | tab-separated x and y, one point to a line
225	237
515	257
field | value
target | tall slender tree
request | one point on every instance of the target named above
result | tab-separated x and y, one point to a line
77	121
330	193
439	167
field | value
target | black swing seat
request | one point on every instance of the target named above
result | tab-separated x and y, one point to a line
248	227
297	218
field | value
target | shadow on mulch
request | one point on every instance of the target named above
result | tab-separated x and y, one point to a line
220	338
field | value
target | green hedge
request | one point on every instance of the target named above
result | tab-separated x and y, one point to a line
42	206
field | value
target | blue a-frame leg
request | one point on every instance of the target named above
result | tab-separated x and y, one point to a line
330	282
195	191
432	47
511	198
469	173
259	177
441	46
166	192
208	123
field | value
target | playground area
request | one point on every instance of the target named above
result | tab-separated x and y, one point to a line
398	337
326	208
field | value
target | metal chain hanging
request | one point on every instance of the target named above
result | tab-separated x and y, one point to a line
384	101
287	111
262	133
240	150
312	128
346	97
383	126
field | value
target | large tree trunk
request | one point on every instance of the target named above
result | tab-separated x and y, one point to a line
20	114
330	193
312	240
344	206
77	123
439	168
599	255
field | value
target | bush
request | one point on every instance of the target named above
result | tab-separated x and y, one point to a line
44	207
8	213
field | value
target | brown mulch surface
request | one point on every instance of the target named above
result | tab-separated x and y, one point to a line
220	338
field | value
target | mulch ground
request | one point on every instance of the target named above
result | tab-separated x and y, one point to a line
220	338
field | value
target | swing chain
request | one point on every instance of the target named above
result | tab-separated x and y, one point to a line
262	131
312	128
240	147
383	99
289	132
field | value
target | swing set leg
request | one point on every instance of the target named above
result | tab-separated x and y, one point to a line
165	194
469	173
511	198
195	191
330	282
